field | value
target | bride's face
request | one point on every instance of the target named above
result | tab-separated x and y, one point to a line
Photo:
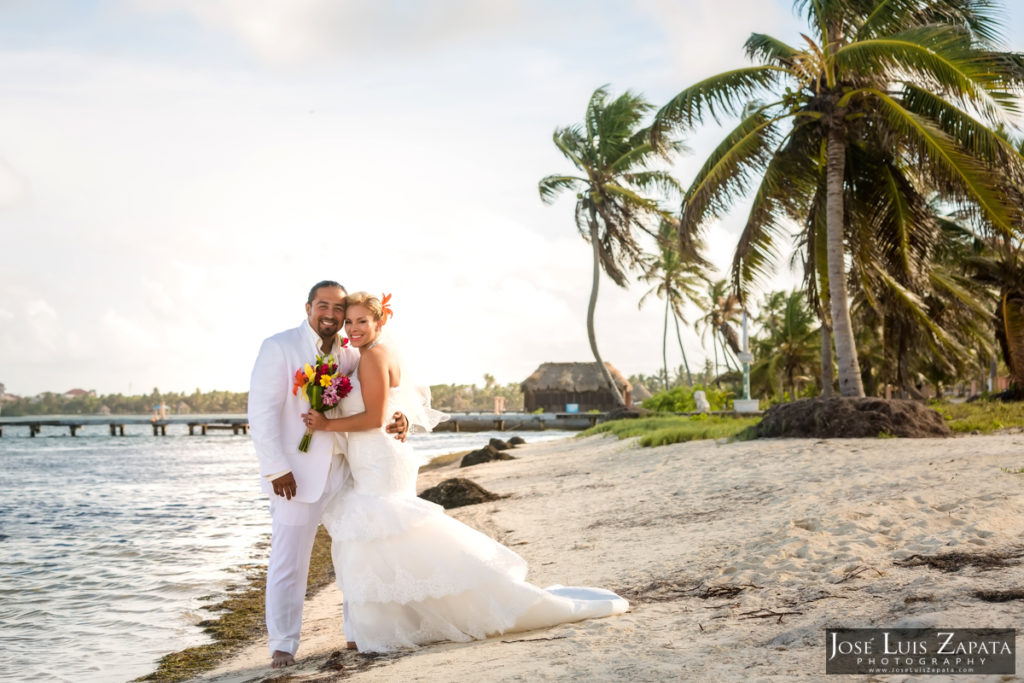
360	326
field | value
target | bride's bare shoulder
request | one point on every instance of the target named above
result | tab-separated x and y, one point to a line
383	356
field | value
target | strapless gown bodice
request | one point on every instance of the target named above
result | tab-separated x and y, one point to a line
379	463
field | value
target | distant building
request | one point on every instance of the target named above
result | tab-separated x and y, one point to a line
553	386
78	393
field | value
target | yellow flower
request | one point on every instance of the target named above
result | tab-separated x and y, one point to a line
325	381
309	371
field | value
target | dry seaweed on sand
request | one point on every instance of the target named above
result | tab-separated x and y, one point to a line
1000	596
955	561
458	492
242	619
669	590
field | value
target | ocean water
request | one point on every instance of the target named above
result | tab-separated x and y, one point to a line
108	545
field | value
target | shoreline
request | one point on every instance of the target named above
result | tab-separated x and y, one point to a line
242	618
712	543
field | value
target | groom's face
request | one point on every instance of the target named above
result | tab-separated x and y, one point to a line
326	312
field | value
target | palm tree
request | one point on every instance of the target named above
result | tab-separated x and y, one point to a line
907	76
788	351
997	262
913	305
722	309
676	279
613	154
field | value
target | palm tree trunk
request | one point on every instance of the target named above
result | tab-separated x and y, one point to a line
846	349
728	359
714	346
616	394
679	338
664	344
827	389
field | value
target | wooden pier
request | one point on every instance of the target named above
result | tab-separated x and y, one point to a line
199	425
196	424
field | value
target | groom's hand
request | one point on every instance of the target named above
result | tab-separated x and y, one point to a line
399	426
284	485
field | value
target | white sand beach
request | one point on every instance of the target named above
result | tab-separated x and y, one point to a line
708	540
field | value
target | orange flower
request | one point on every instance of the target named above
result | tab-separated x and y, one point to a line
385	308
300	381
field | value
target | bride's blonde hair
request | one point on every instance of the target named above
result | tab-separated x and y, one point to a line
366	300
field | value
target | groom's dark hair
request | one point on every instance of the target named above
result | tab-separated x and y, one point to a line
323	283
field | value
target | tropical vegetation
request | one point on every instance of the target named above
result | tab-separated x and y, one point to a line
675	278
885	109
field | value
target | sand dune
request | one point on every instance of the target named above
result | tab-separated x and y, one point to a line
736	557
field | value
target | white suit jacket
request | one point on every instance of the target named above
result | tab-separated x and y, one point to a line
275	414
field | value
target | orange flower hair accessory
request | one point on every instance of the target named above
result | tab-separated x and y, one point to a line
385	308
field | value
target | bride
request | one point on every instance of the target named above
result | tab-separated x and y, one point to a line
410	574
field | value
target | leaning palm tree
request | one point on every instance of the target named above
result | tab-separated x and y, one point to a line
677	279
613	154
911	76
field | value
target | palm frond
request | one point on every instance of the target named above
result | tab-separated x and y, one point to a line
569	141
979	139
946	161
726	174
911	306
786	193
941	56
761	47
662	181
724	94
552	186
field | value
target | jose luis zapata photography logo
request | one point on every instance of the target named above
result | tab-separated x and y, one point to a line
920	651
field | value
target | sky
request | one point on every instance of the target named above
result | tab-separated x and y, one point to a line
175	174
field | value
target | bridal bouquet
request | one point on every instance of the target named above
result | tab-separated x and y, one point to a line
323	386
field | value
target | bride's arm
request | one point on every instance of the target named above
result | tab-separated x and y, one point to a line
373	381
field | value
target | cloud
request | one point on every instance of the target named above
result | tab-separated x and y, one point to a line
300	30
13	188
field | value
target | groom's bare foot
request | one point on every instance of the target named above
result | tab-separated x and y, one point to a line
351	645
281	659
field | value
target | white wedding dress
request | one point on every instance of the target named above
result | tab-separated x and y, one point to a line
413	575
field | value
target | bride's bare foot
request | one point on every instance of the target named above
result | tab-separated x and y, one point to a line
351	645
281	659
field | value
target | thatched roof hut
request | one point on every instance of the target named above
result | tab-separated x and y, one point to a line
641	392
553	386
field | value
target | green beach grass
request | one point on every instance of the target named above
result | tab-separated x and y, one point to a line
981	417
669	429
242	618
977	417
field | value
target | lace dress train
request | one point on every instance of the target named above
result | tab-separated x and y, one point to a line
413	575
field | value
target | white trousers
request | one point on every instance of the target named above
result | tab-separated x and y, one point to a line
294	526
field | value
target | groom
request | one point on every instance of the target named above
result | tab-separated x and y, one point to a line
301	484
